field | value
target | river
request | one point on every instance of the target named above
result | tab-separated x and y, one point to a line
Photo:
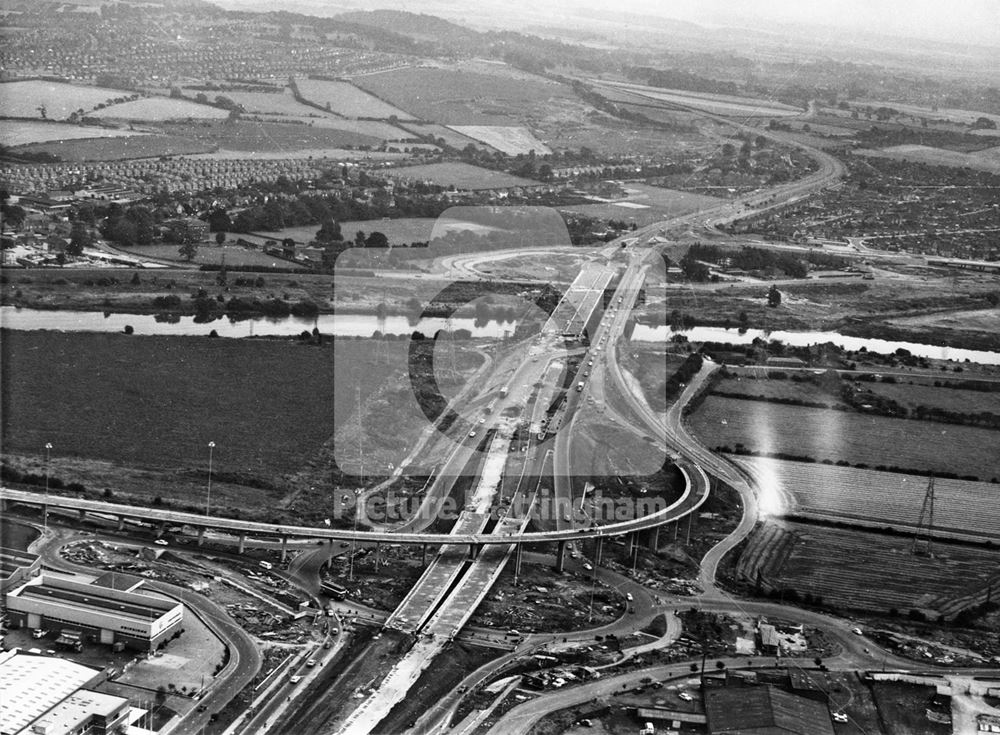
661	333
340	325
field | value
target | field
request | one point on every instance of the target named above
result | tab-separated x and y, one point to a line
213	255
450	136
985	160
22	99
717	104
948	399
159	109
399	231
279	102
512	140
886	498
752	387
987	320
116	149
257	136
856	438
950	114
24	132
343	98
473	95
462	175
645	204
857	570
69	389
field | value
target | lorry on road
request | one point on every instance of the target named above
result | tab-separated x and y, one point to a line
579	386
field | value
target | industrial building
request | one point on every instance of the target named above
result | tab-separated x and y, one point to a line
764	710
47	695
16	566
101	614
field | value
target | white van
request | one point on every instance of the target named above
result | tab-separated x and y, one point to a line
266	565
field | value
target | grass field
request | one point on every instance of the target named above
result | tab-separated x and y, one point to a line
857	570
976	319
279	102
717	104
117	149
461	175
159	109
752	387
888	498
950	114
268	137
24	132
153	403
948	399
22	99
213	255
984	160
856	438
510	139
399	231
450	136
343	98
464	96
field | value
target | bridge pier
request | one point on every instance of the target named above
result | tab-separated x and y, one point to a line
160	529
284	548
631	543
518	556
474	550
201	535
82	513
654	538
561	557
423	555
121	523
242	544
45	514
599	551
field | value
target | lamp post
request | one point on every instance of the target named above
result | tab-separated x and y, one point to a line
354	540
45	511
208	495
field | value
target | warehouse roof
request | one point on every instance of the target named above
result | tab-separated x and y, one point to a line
32	685
764	710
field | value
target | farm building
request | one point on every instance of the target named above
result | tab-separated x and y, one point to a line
139	621
764	710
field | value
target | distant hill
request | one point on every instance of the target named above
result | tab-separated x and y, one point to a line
416	25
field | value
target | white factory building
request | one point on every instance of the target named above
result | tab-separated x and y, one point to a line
100	614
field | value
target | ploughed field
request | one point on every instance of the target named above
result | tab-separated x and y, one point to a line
885	499
860	570
828	434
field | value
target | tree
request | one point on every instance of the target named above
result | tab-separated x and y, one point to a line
220	237
693	269
360	239
188	250
329	232
984	123
218	221
79	238
774	297
377	240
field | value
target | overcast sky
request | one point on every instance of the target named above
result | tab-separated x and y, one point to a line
964	21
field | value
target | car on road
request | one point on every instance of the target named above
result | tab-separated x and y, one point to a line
482	420
628	596
839	717
295	679
685	696
856	631
311	662
472	433
588	567
161	542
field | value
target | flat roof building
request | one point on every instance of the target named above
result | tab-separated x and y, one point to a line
102	614
32	685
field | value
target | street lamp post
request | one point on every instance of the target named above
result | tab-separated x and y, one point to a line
208	495
45	511
354	540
